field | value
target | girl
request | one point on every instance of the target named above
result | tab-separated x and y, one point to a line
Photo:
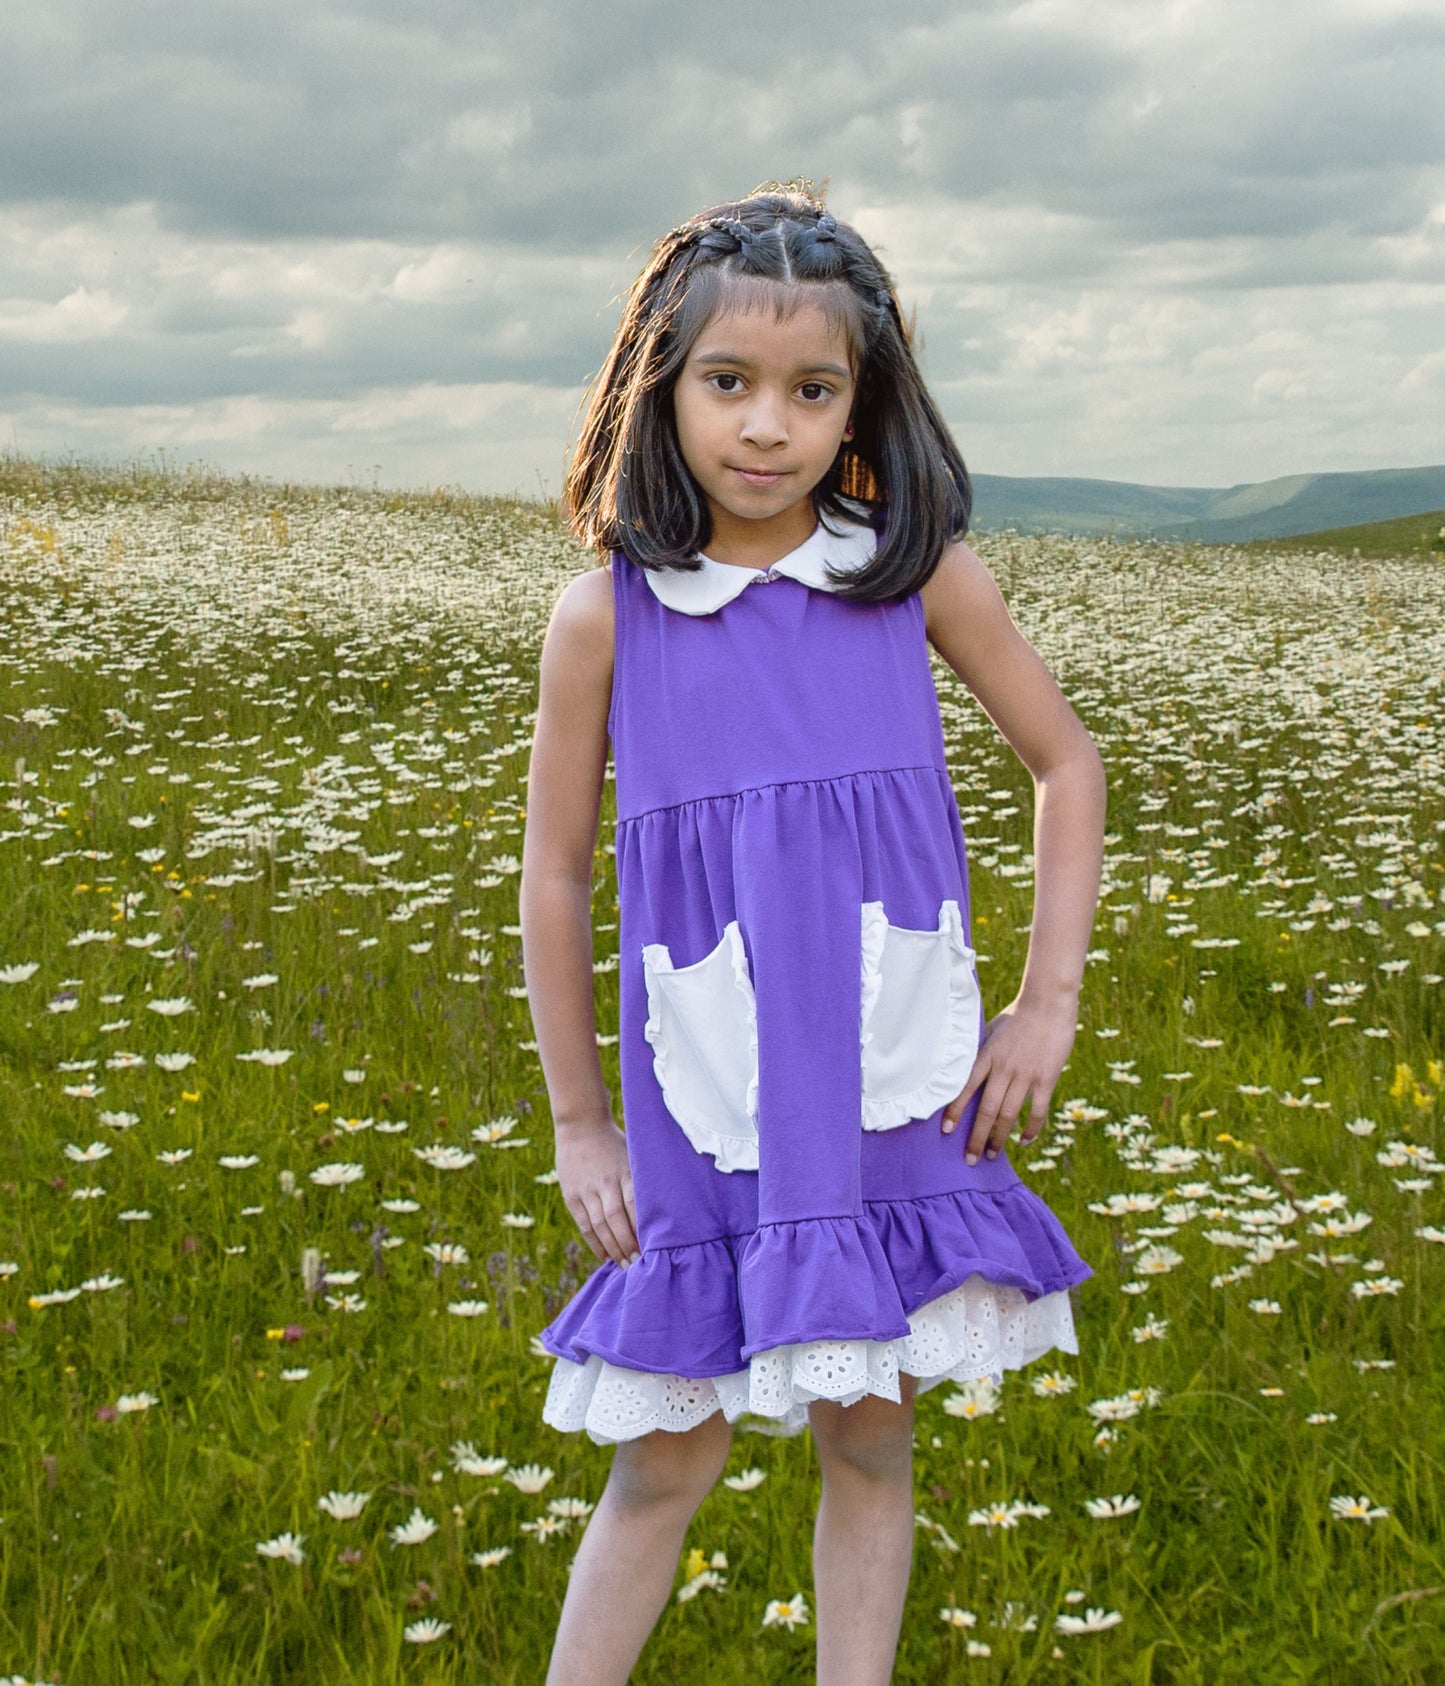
810	1218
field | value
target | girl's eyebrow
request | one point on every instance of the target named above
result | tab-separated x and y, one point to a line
742	363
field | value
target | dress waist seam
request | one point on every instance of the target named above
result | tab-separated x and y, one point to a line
780	784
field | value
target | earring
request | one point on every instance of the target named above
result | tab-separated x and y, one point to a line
848	431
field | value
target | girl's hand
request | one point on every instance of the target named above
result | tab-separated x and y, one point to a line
1023	1052
596	1182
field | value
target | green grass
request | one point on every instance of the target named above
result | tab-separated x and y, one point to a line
1410	535
251	732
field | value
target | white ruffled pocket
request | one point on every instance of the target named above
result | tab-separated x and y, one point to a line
702	1023
919	1025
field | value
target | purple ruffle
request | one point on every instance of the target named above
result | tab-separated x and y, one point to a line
704	1309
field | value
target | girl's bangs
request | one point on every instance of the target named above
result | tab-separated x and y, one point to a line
717	291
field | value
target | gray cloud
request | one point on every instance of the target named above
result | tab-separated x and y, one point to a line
1191	240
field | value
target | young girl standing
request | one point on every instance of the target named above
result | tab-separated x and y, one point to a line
810	1217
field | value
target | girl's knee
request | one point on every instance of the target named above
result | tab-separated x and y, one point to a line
872	1437
672	1466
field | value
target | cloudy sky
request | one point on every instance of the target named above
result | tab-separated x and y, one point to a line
1187	242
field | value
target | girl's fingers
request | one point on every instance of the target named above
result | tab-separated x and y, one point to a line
1038	1115
956	1107
1009	1114
608	1246
996	1115
990	1101
622	1225
609	1223
584	1226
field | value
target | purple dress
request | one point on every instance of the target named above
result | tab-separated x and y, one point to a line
798	1003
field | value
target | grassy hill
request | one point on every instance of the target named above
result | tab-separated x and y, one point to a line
1412	535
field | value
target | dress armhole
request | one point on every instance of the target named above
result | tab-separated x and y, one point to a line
615	575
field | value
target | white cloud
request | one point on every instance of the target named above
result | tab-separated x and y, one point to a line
80	315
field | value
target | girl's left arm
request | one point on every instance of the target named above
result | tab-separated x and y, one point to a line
1027	1042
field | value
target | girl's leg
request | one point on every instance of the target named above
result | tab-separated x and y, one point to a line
863	1540
623	1572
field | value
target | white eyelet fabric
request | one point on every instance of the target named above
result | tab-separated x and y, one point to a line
919	1016
978	1329
702	1022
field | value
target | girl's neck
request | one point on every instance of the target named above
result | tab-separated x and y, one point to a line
740	543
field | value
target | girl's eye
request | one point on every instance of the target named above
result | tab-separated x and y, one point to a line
814	391
723	375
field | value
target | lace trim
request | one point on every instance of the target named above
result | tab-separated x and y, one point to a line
948	1076
978	1329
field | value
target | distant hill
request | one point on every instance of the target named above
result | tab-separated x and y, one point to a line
1297	504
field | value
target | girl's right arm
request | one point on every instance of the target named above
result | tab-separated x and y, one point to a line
564	791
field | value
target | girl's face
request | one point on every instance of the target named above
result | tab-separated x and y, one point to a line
761	407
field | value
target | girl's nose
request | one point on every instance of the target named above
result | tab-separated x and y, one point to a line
763	426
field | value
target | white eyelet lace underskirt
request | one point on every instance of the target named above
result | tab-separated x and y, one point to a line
978	1329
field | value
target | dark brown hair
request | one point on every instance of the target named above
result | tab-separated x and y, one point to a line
629	487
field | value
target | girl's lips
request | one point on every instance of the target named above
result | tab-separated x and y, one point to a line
758	478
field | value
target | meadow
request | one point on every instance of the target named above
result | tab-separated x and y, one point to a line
280	1221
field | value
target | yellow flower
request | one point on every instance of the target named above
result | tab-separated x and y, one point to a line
1404	1078
321	1106
186	1095
275	1334
696	1563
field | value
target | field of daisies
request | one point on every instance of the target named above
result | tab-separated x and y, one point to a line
280	1221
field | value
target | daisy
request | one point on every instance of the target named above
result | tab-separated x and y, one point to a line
170	1008
1053	1384
1358	1510
425	1630
84	1156
444	1158
284	1545
414	1530
788	1612
1119	1505
529	1478
545	1527
335	1176
446	1252
466	1460
1092	1621
343	1506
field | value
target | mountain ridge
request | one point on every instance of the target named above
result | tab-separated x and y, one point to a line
1280	508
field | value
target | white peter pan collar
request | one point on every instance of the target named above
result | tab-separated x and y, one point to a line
716	583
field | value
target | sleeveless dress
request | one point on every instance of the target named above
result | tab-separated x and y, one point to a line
798	1002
